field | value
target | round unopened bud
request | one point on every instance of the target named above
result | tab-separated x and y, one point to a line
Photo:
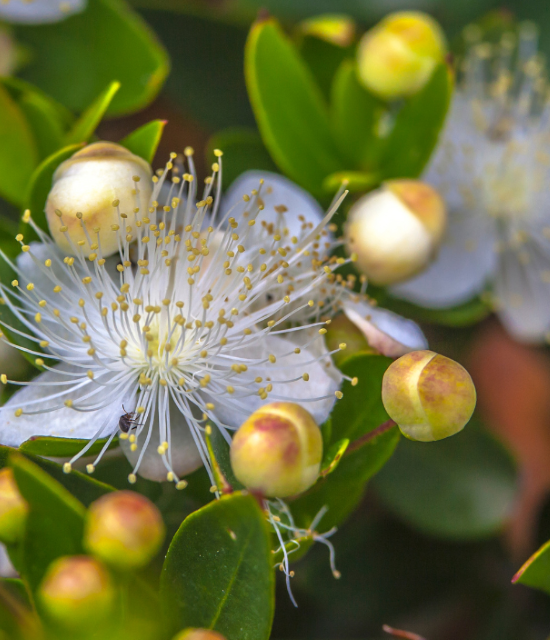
198	634
13	508
396	58
84	189
429	396
124	529
76	592
278	450
396	230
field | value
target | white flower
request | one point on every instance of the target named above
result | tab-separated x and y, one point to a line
39	11
291	211
176	330
493	169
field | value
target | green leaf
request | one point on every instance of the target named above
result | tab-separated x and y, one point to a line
41	183
355	181
417	126
19	153
333	455
358	413
536	571
243	150
289	108
463	315
52	447
85	126
458	488
75	59
145	140
55	522
356	115
218	571
323	60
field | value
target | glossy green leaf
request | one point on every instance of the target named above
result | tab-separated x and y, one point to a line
460	488
40	185
536	571
417	127
359	412
243	150
52	447
355	181
323	60
55	522
356	115
333	455
289	108
145	140
19	153
218	571
85	126
75	59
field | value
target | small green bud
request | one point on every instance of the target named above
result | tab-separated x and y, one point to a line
124	529
396	230
198	634
429	396
344	338
396	58
76	592
13	508
278	450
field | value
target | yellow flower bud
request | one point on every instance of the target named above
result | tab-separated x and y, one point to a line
198	634
429	396
277	450
84	189
13	509
76	592
396	230
124	529
396	58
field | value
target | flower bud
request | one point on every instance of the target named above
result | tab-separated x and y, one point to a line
13	509
85	190
277	450
198	634
396	230
124	529
76	592
429	396
396	58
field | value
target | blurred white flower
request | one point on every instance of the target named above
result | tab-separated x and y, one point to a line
493	169
175	329
8	52
290	212
7	570
39	11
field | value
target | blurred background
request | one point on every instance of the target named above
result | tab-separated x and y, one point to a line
440	533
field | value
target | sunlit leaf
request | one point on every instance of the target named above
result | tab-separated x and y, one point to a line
85	126
536	571
145	140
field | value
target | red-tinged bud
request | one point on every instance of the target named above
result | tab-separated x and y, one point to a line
278	450
124	529
198	634
429	396
13	509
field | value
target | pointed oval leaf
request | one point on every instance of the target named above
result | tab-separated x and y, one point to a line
52	447
536	571
145	140
218	571
289	108
85	126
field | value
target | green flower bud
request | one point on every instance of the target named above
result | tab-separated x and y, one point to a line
124	529
198	634
396	230
429	396
278	450
396	58
76	592
13	509
91	187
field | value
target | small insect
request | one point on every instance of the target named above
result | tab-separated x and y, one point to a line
127	420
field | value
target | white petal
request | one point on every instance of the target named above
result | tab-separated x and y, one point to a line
7	570
523	296
63	422
185	455
276	190
39	11
323	381
465	261
387	332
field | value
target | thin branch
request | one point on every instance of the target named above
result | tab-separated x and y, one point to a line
371	435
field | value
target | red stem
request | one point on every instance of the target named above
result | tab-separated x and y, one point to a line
371	435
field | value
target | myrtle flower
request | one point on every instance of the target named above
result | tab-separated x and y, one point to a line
175	331
291	212
493	169
39	11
